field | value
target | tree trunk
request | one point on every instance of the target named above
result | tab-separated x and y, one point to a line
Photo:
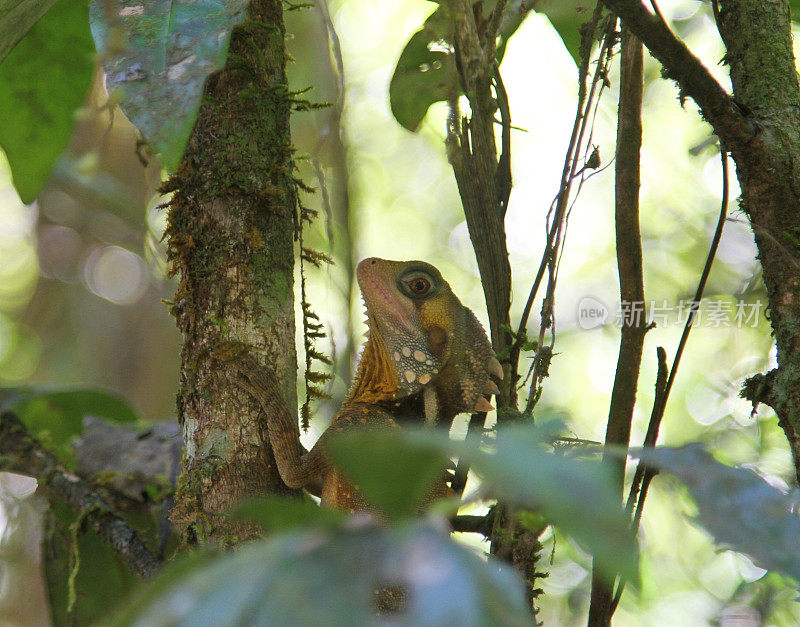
231	230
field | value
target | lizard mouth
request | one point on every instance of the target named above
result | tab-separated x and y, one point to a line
383	303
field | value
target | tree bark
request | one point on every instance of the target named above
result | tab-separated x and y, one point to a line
230	234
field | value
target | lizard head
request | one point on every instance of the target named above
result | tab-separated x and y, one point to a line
424	336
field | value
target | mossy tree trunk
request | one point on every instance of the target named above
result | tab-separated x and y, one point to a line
230	236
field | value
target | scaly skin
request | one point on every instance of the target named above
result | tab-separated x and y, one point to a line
427	358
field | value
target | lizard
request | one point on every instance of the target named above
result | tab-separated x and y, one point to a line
427	358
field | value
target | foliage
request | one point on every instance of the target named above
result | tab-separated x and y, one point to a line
736	506
43	81
157	57
330	577
572	494
56	416
426	70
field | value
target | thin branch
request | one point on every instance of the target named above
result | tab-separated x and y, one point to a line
472	524
586	97
660	403
685	68
631	287
20	452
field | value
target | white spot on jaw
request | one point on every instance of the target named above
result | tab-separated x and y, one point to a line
127	11
428	362
406	351
396	356
409	375
425	378
419	356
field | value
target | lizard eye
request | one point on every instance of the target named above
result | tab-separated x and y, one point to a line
417	284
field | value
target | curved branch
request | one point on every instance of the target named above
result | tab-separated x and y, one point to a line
22	453
687	70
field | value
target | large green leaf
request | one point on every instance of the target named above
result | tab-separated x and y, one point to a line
395	468
577	496
393	477
56	416
330	577
16	18
157	55
736	506
43	80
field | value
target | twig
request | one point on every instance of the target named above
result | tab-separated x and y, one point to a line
21	452
472	524
585	99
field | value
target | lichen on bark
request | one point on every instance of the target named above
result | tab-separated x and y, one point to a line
230	235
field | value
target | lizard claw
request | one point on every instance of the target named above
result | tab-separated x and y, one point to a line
495	368
490	387
482	405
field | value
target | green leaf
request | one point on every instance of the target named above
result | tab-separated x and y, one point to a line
102	577
157	56
394	478
43	80
426	70
330	577
567	17
56	417
736	506
282	513
16	19
576	496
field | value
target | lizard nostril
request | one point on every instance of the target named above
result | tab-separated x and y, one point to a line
374	262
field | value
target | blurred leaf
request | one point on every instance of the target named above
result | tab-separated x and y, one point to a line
426	70
56	417
394	478
102	577
567	17
282	513
16	18
43	80
157	56
329	578
394	469
736	506
576	496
